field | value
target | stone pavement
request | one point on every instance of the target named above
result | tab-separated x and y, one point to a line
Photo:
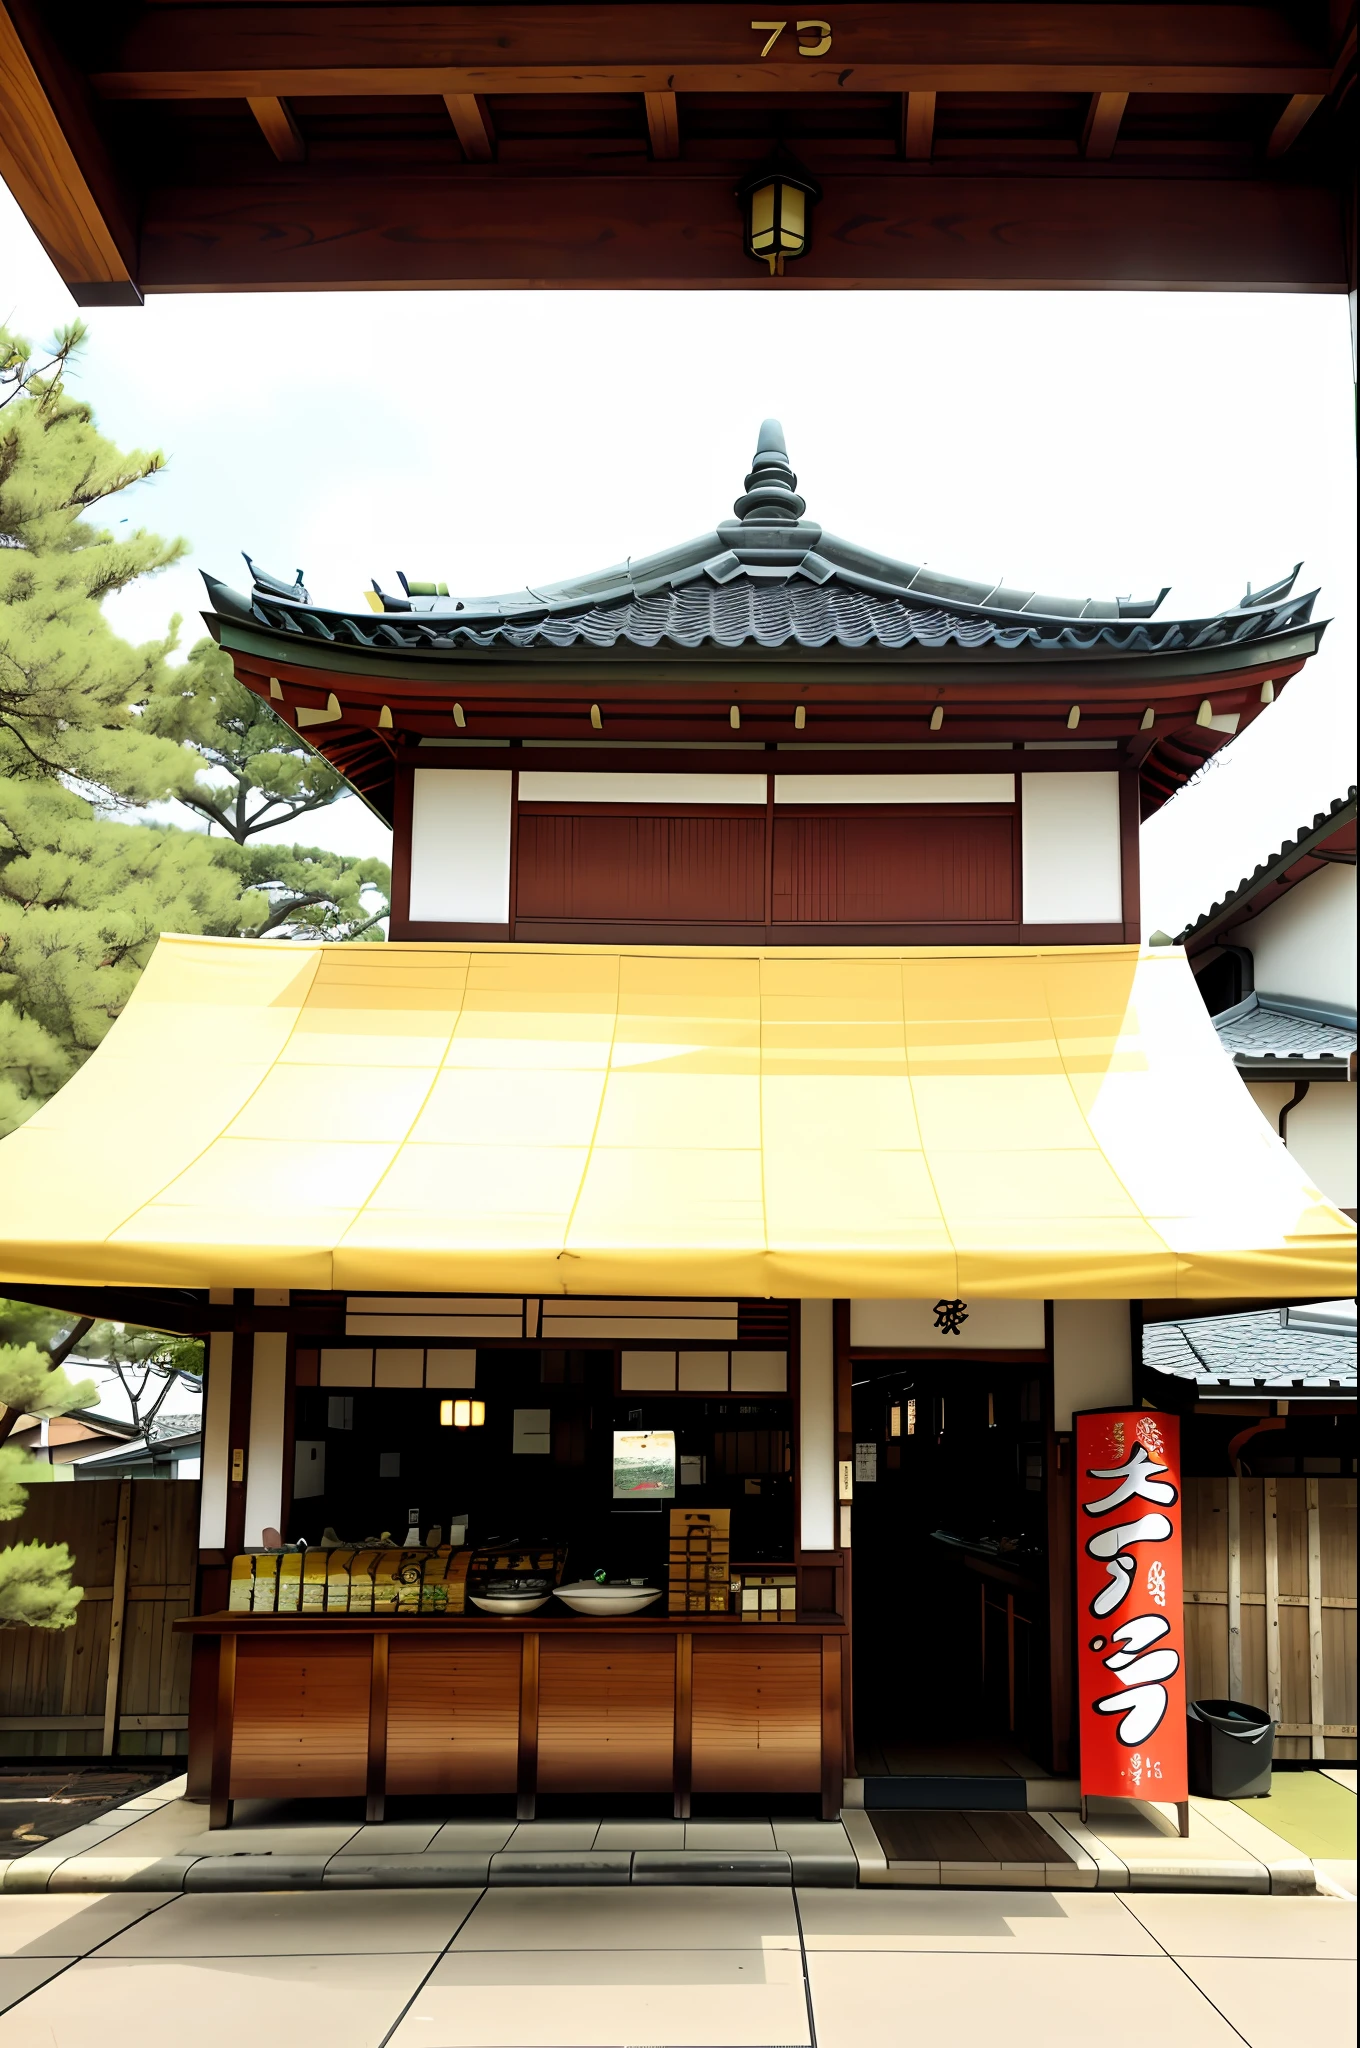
683	1967
161	1842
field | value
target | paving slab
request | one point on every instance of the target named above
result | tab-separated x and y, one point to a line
20	1976
345	2001
1025	2001
1158	1859
639	1917
46	1924
981	1922
1281	2004
722	1998
1221	1925
303	1923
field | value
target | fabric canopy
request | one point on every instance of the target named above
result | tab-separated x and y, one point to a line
666	1120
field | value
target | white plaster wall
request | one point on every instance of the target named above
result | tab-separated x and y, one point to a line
1321	1132
1092	1357
1069	835
1304	945
460	846
894	789
817	1428
264	1460
566	786
212	1509
991	1325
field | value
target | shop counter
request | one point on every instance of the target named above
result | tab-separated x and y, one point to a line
335	1706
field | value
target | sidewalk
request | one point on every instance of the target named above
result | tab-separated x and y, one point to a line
160	1842
663	1967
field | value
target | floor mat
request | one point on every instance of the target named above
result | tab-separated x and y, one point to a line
1308	1810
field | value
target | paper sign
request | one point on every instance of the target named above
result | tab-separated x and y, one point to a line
1130	1613
644	1464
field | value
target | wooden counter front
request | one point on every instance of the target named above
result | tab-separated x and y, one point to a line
333	1707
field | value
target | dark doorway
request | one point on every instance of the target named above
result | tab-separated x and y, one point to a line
950	1590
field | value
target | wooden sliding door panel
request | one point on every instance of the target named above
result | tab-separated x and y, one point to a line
875	865
757	1718
300	1724
606	1716
641	868
453	1716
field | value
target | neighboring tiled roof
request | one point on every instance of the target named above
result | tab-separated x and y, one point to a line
1307	836
767	578
1253	1031
1252	1354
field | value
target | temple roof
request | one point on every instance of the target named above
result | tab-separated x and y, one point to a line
770	578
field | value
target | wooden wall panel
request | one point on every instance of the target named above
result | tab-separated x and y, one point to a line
54	1684
879	865
301	1718
757	1718
453	1716
604	865
1276	1605
606	1716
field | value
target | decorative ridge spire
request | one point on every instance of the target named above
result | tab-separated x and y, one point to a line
771	496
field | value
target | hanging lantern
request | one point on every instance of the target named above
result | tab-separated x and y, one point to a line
462	1414
777	200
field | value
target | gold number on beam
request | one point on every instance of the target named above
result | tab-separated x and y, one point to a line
778	27
819	48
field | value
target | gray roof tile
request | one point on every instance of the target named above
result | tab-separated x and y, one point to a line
1255	1029
1252	1354
769	579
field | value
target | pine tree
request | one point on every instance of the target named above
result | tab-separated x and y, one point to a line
255	777
35	1578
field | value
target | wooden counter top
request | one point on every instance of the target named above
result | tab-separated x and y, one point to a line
542	1623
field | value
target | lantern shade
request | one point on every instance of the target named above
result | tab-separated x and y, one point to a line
777	199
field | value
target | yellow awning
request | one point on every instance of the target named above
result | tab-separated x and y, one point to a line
666	1120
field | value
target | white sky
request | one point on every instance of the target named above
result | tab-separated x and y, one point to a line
1079	443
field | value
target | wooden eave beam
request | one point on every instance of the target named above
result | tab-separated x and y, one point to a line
284	51
633	225
471	117
1101	130
55	162
918	126
1297	114
663	125
280	130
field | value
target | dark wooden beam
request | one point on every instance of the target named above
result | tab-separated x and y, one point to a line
663	125
1103	117
1296	116
280	130
283	50
471	117
918	126
55	162
678	226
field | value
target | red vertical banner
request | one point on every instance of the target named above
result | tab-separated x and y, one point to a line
1130	1605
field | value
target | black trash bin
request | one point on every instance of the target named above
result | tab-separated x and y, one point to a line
1232	1747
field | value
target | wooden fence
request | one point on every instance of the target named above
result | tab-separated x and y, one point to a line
117	1684
1270	1614
1270	1604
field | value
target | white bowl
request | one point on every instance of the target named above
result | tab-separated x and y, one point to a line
591	1598
511	1603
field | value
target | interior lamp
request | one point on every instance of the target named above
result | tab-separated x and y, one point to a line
462	1414
776	201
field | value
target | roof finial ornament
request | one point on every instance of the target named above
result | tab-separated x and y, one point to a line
771	497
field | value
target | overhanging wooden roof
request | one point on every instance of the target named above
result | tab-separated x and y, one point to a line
179	146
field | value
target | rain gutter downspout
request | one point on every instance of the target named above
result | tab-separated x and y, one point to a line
1300	1090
